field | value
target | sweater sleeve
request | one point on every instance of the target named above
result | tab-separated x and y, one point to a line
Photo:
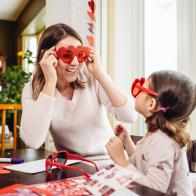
36	117
159	163
126	112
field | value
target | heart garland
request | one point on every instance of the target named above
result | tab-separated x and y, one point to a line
91	15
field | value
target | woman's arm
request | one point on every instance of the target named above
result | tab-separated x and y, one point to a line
121	105
116	97
36	117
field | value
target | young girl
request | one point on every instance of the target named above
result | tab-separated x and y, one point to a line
166	99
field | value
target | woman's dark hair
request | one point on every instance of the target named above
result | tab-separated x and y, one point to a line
176	93
50	37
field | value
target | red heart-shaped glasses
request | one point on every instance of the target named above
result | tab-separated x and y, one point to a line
137	87
67	54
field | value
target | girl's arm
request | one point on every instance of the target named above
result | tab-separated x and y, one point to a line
160	160
159	169
116	151
158	173
122	132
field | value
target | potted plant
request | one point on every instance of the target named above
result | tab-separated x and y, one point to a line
12	83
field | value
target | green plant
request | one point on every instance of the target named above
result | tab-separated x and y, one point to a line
12	81
28	55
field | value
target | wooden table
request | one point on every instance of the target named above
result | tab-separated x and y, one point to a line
31	155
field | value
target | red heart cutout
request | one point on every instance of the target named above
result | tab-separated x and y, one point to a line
91	25
91	30
92	5
90	40
91	15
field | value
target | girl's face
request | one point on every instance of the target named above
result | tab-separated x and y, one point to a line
144	103
68	72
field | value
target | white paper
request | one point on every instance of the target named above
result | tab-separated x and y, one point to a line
33	167
98	157
124	192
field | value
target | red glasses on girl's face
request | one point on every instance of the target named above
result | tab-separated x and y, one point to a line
67	54
137	87
60	158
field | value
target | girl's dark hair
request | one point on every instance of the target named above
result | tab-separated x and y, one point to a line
176	93
50	37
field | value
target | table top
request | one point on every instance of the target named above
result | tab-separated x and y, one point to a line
31	155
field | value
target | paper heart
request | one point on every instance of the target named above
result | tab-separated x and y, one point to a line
90	39
92	5
91	25
91	15
91	30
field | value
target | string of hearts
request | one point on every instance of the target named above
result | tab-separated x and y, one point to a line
91	23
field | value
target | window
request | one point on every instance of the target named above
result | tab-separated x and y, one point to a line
30	43
160	35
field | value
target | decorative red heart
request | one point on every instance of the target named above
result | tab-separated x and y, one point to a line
90	40
91	15
91	25
92	5
91	30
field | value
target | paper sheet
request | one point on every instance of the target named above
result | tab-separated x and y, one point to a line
33	167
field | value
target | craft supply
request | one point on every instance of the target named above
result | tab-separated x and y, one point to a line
11	160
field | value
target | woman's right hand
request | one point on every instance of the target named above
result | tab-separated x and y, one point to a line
48	64
122	132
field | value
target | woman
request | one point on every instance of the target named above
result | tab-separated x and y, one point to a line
67	97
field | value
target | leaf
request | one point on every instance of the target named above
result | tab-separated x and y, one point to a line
13	81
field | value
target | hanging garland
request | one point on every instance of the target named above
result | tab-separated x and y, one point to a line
91	23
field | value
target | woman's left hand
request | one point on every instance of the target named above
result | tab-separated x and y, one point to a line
93	64
115	149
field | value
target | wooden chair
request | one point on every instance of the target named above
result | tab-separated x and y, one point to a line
3	109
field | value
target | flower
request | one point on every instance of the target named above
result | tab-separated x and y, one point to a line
27	55
21	53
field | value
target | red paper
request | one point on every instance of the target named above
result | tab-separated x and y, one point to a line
10	189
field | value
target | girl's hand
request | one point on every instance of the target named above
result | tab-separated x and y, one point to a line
48	64
122	132
93	64
115	149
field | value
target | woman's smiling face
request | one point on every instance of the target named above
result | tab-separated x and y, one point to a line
68	72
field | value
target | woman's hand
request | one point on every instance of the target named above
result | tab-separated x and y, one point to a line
93	64
115	149
48	64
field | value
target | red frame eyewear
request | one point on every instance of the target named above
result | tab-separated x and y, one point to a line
137	88
67	54
60	158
